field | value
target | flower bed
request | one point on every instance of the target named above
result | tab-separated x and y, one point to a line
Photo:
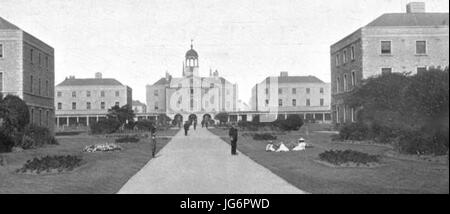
340	158
51	164
107	147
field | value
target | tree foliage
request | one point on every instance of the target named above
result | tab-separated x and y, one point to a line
122	114
222	117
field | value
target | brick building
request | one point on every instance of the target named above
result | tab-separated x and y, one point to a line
27	70
307	96
83	101
394	42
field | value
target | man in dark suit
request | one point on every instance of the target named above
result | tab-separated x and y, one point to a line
186	128
233	133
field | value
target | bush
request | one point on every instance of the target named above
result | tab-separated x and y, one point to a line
222	117
6	142
146	125
293	122
354	131
422	143
264	136
105	126
50	163
127	139
339	157
36	136
14	113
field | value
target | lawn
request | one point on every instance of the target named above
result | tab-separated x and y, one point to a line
303	171
100	173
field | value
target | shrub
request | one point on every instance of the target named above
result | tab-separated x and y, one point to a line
146	125
127	139
50	163
35	136
6	142
14	112
105	126
264	136
293	122
222	117
354	131
338	157
422	143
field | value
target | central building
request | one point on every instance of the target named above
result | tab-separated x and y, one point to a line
191	96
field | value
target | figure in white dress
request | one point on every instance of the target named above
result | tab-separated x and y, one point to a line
282	148
300	146
269	147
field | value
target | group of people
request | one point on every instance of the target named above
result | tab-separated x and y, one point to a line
301	145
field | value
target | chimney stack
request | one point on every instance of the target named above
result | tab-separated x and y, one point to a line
415	7
98	75
284	74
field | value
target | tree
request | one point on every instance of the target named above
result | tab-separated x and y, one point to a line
14	113
222	117
122	114
163	119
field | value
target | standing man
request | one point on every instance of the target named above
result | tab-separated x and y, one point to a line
153	139
186	128
195	124
233	133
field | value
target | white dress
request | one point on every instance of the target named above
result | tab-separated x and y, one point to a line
300	147
282	148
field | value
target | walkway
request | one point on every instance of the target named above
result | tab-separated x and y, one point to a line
200	163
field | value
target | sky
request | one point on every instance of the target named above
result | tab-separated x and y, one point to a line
137	41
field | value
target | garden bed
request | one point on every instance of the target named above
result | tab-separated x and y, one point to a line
50	164
349	158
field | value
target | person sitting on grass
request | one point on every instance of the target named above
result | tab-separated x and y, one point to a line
300	146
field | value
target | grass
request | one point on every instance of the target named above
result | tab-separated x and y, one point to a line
304	171
100	173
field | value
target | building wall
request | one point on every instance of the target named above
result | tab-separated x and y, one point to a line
152	100
403	46
18	68
95	99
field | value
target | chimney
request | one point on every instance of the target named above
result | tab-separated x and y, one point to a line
284	74
98	75
167	76
415	7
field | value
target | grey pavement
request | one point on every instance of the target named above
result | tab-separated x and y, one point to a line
201	163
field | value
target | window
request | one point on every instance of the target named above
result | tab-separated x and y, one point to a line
117	103
211	85
1	51
294	91
386	71
47	120
102	105
88	93
59	93
337	114
59	106
345	82
294	102
117	93
192	91
46	61
421	47
280	91
321	102
352	53
74	94
308	90
39	86
1	82
344	114
421	69
32	116
321	90
155	93
74	106
156	106
353	78
344	56
280	102
39	59
267	91
308	102
102	93
385	47
47	92
192	103
267	103
31	56
352	114
338	82
40	117
31	84
88	105
337	60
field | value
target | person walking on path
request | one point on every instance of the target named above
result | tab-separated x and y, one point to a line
203	123
233	133
186	128
195	124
